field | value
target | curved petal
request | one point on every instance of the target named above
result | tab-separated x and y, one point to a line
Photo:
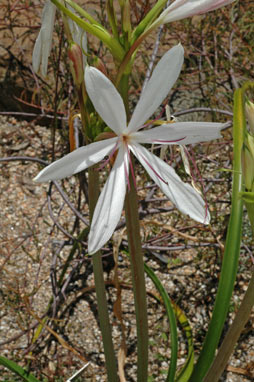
180	133
110	205
180	9
106	99
163	78
184	197
43	42
76	161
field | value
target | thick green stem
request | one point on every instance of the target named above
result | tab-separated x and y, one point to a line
138	280
111	364
232	336
127	59
231	254
123	88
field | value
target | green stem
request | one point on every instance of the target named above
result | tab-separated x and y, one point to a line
111	364
112	18
250	210
126	61
148	19
231	254
123	88
138	280
232	335
82	12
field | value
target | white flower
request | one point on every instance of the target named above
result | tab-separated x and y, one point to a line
180	9
129	138
43	42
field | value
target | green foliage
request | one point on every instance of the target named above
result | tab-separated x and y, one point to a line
18	370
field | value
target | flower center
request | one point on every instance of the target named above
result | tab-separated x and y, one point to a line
125	139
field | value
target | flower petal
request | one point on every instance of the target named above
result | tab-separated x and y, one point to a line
110	205
106	99
163	78
76	161
180	133
43	42
184	197
180	9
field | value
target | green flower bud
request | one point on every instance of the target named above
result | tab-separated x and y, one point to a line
248	162
249	111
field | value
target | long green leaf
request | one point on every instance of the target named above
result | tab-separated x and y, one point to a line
172	322
232	250
13	366
185	372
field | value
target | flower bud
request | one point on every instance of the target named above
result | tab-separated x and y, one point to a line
98	64
249	111
248	162
76	63
127	18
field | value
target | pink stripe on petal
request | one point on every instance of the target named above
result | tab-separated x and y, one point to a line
163	141
110	156
151	167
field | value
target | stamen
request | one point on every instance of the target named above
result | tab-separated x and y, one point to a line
153	120
111	154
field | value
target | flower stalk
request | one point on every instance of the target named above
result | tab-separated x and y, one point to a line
93	193
138	279
111	363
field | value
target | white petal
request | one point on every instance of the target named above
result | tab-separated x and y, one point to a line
163	78
44	40
76	161
181	9
180	133
36	58
106	99
184	197
110	205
